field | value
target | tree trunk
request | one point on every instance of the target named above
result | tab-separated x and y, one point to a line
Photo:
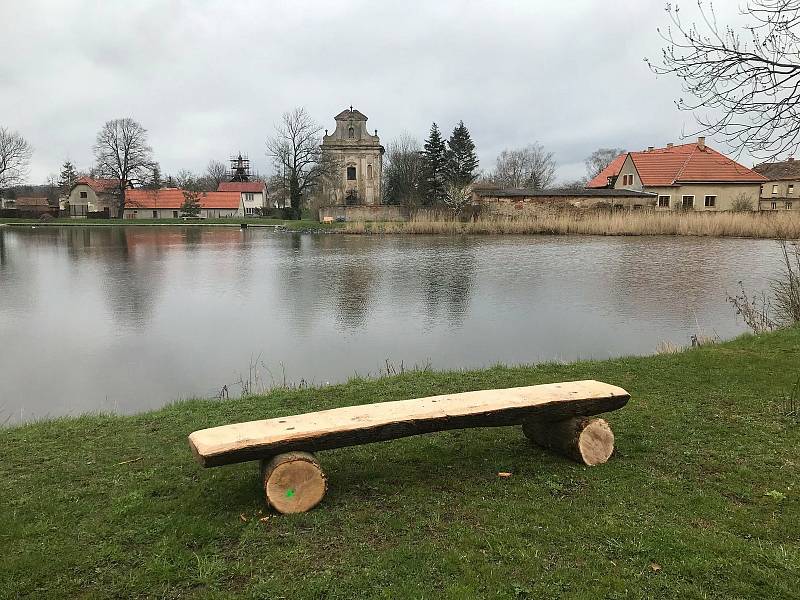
586	440
295	196
293	482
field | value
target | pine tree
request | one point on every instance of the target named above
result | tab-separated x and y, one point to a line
433	188
461	164
67	178
154	182
191	203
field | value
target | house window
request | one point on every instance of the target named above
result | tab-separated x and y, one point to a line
627	179
663	202
688	202
84	195
788	205
791	189
174	214
774	205
710	201
774	189
248	197
351	133
155	214
351	173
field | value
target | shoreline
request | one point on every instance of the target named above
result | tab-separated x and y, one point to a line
694	483
763	225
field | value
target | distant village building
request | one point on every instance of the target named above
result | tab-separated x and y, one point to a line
782	189
166	204
684	177
357	157
92	195
253	193
28	206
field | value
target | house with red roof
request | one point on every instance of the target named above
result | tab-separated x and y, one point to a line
253	195
684	177
93	195
166	204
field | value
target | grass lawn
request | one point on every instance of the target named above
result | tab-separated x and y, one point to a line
701	500
292	225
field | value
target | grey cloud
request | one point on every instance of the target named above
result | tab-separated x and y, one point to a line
211	78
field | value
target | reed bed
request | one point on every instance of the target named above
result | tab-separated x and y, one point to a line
784	225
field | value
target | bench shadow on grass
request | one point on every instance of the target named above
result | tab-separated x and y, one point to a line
454	460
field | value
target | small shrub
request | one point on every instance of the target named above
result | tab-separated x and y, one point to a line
742	203
46	217
787	289
755	310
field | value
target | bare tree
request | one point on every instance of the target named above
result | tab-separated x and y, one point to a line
745	84
403	173
15	155
529	167
600	159
574	185
295	150
121	152
216	173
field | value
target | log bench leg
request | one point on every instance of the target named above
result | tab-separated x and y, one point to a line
586	440
293	482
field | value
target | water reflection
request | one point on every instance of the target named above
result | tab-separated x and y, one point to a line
128	318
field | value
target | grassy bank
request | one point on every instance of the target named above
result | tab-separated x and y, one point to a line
754	225
298	225
702	499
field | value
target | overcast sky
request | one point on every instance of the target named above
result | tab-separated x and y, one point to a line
210	78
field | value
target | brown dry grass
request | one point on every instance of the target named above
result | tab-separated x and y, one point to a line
729	224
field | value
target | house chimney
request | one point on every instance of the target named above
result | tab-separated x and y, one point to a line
669	145
701	142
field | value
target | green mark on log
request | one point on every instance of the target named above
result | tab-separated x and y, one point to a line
289	493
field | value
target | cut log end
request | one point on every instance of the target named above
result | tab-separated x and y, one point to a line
596	442
588	441
293	482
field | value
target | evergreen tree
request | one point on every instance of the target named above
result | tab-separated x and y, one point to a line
67	178
191	203
461	164
154	182
433	157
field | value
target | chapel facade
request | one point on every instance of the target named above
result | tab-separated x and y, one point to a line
357	161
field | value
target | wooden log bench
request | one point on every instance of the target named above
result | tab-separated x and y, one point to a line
556	416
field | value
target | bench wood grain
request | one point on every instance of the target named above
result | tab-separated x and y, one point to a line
353	425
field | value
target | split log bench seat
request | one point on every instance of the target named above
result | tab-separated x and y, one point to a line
555	416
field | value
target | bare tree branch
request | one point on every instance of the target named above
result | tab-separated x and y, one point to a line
15	156
121	152
528	167
745	85
295	150
600	159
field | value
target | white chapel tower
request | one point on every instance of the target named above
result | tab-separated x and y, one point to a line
359	159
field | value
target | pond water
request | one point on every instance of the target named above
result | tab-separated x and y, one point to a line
130	318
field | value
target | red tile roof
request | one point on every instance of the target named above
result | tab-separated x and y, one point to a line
173	198
98	185
241	186
685	163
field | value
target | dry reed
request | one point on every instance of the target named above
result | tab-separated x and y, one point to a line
784	225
